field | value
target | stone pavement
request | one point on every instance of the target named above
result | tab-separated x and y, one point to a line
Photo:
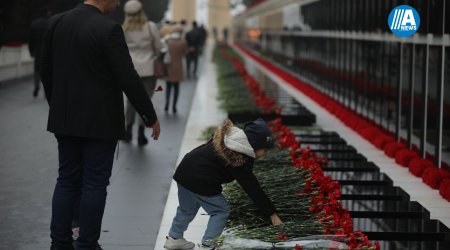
28	169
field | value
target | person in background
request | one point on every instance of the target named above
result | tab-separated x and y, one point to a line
177	49
165	32
203	36
37	32
228	156
184	26
225	34
144	43
86	67
166	29
215	34
193	39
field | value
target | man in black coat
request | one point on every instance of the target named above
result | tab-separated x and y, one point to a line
85	68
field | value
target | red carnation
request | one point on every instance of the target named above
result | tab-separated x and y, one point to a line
330	106
432	177
392	148
369	133
345	118
418	165
159	88
381	141
445	174
362	125
298	247
354	122
377	245
404	156
444	189
282	236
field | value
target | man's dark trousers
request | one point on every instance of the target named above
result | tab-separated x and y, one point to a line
84	170
191	57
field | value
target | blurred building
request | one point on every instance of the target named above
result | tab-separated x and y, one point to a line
219	16
184	10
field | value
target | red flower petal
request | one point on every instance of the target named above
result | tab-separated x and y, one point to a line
282	236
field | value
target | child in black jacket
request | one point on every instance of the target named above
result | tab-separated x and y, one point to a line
228	156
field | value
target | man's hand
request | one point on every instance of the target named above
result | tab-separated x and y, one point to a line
156	130
275	219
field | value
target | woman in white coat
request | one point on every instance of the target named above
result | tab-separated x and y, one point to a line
144	43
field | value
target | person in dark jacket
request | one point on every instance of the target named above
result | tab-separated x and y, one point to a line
228	156
225	35
203	36
37	31
194	40
86	67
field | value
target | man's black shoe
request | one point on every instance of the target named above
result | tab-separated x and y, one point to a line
142	140
53	247
35	92
128	133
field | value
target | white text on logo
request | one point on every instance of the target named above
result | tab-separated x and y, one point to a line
403	20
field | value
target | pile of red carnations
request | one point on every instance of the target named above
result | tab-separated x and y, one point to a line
267	104
306	200
376	135
324	192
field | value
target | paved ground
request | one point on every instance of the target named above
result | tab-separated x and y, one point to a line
28	168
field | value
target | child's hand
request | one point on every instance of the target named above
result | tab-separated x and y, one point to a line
275	219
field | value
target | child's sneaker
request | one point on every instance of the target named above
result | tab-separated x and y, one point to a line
204	247
178	244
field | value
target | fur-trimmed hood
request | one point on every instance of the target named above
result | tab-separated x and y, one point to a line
231	144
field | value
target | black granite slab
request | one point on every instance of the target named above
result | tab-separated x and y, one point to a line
360	178
300	118
403	229
321	140
315	133
350	165
382	190
323	148
412	244
342	156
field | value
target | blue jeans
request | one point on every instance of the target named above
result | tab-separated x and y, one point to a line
176	89
216	206
84	169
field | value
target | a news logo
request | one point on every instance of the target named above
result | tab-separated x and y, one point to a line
404	21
